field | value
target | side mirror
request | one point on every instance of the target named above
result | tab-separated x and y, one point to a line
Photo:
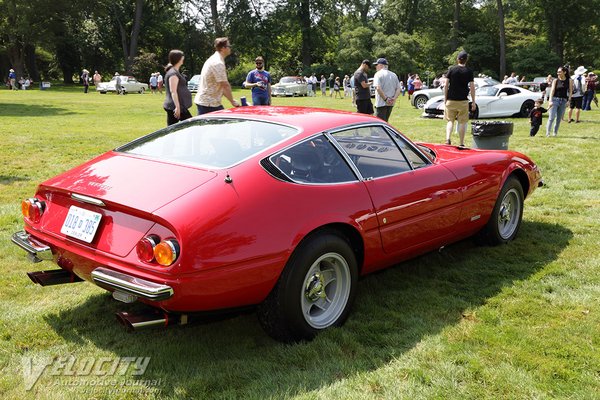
503	94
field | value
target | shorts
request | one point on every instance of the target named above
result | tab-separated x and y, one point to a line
364	106
411	91
576	102
457	110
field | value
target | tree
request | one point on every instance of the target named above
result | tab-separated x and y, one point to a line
502	59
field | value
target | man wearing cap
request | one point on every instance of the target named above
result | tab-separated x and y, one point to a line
362	88
387	90
459	82
12	79
260	81
578	91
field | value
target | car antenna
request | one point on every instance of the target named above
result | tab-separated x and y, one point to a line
228	178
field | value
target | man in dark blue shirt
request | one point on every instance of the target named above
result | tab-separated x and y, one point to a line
260	81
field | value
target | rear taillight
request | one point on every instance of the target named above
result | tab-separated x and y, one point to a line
145	248
166	252
151	249
33	209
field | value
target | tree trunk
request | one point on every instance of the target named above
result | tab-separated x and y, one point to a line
502	39
16	57
411	15
135	34
30	62
455	26
214	12
304	16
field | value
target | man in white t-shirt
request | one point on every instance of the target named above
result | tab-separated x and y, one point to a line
213	80
387	89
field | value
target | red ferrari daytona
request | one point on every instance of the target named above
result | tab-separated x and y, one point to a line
276	207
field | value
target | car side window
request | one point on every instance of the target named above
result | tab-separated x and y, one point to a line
373	151
313	161
414	157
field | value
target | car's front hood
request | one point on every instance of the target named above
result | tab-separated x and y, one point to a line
284	85
130	181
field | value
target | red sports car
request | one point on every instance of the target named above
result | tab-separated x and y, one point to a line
274	206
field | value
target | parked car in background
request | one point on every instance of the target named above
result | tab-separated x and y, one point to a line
282	208
492	101
193	83
128	83
420	97
290	86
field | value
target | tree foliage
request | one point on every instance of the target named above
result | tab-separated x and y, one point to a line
57	39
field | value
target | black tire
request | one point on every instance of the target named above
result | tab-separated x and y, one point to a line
420	101
302	304
526	108
506	217
142	90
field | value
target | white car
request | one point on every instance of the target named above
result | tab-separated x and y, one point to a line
290	86
194	83
492	101
128	83
420	97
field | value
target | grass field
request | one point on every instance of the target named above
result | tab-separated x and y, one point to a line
520	321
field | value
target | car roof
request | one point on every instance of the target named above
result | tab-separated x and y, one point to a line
308	120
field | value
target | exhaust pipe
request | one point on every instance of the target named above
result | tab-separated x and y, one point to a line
53	277
149	319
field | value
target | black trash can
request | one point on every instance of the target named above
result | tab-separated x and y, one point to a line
491	135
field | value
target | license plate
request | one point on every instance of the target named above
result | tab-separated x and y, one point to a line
81	224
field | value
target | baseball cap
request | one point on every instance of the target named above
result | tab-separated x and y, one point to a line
381	61
462	55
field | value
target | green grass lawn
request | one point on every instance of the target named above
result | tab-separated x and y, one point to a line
520	321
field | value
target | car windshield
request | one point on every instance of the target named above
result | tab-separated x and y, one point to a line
209	143
287	79
195	79
487	91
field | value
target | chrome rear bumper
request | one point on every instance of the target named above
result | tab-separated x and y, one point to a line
109	279
38	251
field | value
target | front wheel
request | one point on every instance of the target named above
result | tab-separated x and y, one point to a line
507	215
314	292
420	101
142	90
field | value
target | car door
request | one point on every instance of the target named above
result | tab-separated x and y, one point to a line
416	201
505	104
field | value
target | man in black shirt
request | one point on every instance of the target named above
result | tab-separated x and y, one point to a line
459	82
362	88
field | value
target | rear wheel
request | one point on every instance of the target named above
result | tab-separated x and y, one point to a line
420	101
507	215
526	108
315	290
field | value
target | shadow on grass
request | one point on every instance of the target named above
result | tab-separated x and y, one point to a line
30	110
5	180
394	310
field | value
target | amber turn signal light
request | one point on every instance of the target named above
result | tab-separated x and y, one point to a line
33	209
166	252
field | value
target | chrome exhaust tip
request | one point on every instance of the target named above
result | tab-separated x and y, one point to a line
149	319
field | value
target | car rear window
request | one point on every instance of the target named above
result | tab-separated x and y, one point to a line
210	143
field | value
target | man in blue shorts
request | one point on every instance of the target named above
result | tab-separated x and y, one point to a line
260	81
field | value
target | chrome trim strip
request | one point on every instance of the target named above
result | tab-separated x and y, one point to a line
87	199
143	288
37	249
